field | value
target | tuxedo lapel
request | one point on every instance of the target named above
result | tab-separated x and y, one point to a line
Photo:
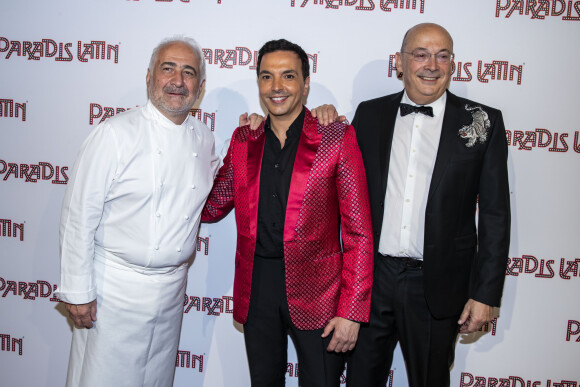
256	140
447	141
307	148
386	125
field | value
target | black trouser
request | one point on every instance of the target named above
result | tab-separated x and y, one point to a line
399	313
266	330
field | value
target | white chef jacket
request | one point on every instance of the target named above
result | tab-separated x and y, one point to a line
129	224
136	191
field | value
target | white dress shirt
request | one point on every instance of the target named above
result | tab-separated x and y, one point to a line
413	153
135	198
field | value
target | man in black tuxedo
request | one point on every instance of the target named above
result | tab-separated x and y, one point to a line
428	167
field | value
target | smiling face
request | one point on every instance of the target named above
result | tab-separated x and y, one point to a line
174	82
425	82
282	86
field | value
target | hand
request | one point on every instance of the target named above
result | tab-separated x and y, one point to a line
254	120
82	315
327	114
474	315
345	334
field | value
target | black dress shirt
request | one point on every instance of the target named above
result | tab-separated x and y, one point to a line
275	176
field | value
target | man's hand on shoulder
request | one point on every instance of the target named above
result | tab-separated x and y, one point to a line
82	315
327	114
474	315
254	120
344	336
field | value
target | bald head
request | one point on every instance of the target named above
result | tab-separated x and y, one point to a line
425	29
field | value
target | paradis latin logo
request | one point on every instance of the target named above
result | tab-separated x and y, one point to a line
59	51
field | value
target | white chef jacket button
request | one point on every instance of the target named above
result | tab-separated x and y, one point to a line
193	186
158	151
179	249
190	127
156	247
157	214
161	184
194	154
186	217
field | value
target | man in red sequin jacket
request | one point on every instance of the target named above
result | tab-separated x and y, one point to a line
304	256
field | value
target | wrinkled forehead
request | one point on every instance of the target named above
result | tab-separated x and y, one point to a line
178	52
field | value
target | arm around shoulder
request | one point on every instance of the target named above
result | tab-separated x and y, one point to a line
356	230
221	197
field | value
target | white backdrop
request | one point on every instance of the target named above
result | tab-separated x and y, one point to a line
65	65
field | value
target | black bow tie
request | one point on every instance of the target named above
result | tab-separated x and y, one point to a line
408	109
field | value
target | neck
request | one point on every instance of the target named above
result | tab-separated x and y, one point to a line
423	101
177	119
279	130
280	126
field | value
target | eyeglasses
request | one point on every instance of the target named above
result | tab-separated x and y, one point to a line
422	56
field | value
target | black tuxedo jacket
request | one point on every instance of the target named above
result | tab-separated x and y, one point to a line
460	261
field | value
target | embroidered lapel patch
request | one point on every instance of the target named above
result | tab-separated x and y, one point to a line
477	130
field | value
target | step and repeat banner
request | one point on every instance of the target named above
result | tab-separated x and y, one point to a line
66	66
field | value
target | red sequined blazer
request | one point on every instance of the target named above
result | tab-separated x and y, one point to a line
328	200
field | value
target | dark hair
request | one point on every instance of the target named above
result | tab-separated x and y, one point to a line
284	45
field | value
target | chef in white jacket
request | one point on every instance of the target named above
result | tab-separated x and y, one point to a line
129	225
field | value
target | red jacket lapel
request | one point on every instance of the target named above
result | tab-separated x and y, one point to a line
307	148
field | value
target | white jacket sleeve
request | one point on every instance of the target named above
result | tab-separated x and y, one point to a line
82	209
